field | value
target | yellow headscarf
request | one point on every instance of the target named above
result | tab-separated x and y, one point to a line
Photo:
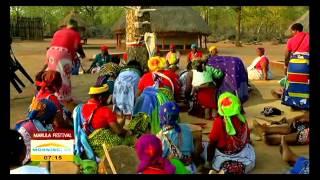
98	90
212	48
156	63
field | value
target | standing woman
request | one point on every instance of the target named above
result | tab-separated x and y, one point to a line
259	68
65	44
201	86
296	94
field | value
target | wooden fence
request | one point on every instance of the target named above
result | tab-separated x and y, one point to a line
27	28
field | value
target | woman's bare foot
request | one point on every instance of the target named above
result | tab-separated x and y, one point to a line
286	154
259	129
276	94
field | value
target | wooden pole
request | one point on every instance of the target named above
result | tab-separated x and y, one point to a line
113	169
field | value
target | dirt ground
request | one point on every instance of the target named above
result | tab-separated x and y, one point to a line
31	55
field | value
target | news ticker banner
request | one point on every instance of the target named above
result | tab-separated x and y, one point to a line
52	146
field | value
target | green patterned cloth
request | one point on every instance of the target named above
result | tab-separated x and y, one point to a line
106	136
139	124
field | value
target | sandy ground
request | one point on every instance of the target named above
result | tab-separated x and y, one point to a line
31	55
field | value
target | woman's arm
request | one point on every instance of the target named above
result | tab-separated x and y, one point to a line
115	127
264	67
188	84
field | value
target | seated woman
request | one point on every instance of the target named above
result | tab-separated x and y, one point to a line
99	122
40	118
108	74
172	58
295	133
149	151
159	77
300	165
100	59
259	68
229	141
126	89
50	84
177	139
201	85
18	152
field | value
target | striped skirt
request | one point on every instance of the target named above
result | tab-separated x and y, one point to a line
296	92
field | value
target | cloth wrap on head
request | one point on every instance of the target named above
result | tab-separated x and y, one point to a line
149	151
169	115
229	105
156	63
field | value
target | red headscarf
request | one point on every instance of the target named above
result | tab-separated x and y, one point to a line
51	79
172	46
104	48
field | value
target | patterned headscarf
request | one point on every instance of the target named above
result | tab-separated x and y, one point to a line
169	115
156	63
43	110
149	151
229	105
212	48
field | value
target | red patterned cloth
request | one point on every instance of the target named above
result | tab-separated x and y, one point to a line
229	144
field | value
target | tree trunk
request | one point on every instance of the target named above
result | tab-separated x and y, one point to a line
139	51
238	10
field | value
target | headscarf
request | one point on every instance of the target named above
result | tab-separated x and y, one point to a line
149	151
261	49
43	110
156	63
110	69
212	48
104	48
169	115
229	105
172	46
194	46
51	79
99	90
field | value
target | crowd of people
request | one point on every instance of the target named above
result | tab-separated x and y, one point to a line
213	87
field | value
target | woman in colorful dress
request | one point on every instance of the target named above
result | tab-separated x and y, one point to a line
229	141
126	89
296	92
108	74
172	58
201	84
159	77
176	138
100	59
99	123
195	54
65	44
40	118
260	68
149	151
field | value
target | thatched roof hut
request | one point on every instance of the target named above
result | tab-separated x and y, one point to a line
304	20
75	16
172	24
